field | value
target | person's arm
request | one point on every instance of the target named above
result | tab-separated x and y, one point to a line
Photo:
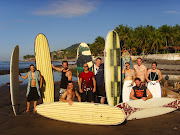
147	75
94	84
123	71
149	95
132	95
134	67
133	77
69	75
24	77
145	72
80	82
56	68
79	97
63	98
160	76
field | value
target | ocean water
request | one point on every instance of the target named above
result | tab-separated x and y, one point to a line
6	66
6	78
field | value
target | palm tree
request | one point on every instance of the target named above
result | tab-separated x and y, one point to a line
165	30
141	38
156	41
98	46
124	33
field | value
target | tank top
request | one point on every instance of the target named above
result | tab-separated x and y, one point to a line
64	80
153	76
140	92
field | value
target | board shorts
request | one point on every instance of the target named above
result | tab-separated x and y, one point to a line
61	92
100	90
33	94
87	96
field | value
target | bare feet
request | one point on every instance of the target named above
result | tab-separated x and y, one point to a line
27	111
34	111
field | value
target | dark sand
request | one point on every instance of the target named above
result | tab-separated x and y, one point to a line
33	124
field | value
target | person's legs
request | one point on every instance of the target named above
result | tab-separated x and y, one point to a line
91	96
28	106
102	100
35	103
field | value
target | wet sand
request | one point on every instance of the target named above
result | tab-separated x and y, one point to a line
33	124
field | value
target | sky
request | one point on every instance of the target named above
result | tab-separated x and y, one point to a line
67	22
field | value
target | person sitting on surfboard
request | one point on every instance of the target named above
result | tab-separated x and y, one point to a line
140	71
140	91
70	94
87	85
65	77
128	81
34	85
99	76
154	76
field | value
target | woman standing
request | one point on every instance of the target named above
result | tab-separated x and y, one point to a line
153	77
128	81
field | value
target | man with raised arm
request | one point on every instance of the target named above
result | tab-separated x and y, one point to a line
34	85
65	77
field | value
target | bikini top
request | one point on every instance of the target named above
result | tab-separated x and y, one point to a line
131	74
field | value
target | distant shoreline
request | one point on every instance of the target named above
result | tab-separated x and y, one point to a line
166	66
60	60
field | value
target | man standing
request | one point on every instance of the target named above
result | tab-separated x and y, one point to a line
33	92
139	91
140	71
65	77
87	85
99	76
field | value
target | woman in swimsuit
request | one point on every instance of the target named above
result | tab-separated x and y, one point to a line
128	81
154	76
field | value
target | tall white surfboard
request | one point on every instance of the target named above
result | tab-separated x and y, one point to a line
14	79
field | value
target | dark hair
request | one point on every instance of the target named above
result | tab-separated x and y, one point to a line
127	63
31	65
137	79
70	82
98	58
155	63
139	58
65	62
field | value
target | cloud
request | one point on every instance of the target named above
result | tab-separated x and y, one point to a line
67	8
172	12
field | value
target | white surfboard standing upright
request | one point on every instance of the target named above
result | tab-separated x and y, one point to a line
112	68
14	79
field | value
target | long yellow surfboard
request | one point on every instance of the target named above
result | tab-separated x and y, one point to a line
83	113
43	64
112	66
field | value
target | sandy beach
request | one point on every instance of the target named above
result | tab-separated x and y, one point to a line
29	123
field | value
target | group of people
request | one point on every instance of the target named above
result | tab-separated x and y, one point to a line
91	84
138	83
